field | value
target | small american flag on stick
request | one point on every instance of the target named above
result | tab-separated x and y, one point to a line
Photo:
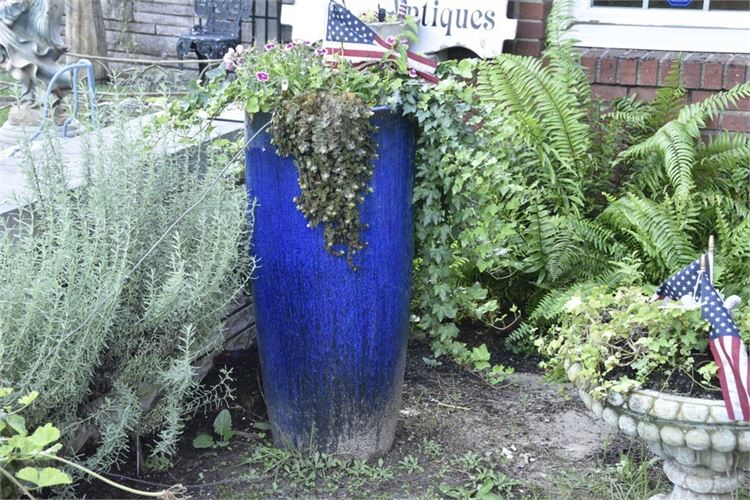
402	8
351	38
728	351
684	282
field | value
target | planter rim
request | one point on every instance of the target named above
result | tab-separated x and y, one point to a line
644	400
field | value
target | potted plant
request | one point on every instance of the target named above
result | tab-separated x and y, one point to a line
647	371
329	170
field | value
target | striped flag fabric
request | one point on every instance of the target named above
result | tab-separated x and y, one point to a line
402	9
351	38
728	352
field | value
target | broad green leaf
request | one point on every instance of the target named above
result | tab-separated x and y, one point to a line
5	391
49	476
203	441
223	425
45	435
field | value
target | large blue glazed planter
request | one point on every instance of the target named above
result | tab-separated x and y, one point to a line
332	341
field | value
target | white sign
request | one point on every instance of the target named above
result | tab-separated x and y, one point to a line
478	25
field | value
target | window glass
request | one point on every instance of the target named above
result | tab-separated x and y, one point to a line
729	5
618	3
664	4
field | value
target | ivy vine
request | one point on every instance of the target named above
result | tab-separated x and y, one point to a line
332	142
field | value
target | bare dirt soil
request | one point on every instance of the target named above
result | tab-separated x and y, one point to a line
457	437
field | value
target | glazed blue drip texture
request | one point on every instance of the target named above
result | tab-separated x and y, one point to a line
332	341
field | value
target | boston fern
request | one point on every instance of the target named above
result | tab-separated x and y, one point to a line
112	346
529	190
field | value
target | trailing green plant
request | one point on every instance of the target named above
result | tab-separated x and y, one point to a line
623	340
333	143
113	292
321	118
22	452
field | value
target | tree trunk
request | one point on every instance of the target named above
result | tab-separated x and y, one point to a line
85	32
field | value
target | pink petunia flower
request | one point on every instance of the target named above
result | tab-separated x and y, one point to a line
269	46
261	76
413	73
390	40
289	46
321	52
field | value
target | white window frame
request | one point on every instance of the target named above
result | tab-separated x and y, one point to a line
673	29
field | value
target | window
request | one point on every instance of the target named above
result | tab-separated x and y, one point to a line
682	25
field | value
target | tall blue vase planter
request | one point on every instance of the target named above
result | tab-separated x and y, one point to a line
332	341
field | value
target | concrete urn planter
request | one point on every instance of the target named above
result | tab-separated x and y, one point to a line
705	454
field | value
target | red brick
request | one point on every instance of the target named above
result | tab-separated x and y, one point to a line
692	67
530	29
699	95
643	93
713	123
607	69
648	68
608	92
741	105
589	60
531	11
713	75
665	66
628	68
735	121
528	48
547	8
736	71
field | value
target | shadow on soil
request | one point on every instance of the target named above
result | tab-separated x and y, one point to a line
458	437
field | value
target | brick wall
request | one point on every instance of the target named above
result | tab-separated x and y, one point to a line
617	72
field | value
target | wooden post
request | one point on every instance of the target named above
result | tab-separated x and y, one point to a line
711	257
85	32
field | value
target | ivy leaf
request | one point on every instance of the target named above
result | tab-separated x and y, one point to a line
203	441
49	476
223	425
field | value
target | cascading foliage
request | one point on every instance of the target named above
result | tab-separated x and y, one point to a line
113	352
529	190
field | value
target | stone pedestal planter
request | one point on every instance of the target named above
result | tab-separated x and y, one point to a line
705	454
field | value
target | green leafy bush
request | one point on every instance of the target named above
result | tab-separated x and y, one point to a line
105	329
622	339
530	191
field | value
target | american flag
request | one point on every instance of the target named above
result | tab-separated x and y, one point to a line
349	37
402	8
728	351
684	282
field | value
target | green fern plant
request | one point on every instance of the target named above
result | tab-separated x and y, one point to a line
589	194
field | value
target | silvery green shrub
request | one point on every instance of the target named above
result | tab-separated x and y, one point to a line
112	352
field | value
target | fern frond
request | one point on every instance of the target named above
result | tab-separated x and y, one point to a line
710	107
521	85
653	230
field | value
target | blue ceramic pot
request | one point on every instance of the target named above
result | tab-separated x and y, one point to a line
332	341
